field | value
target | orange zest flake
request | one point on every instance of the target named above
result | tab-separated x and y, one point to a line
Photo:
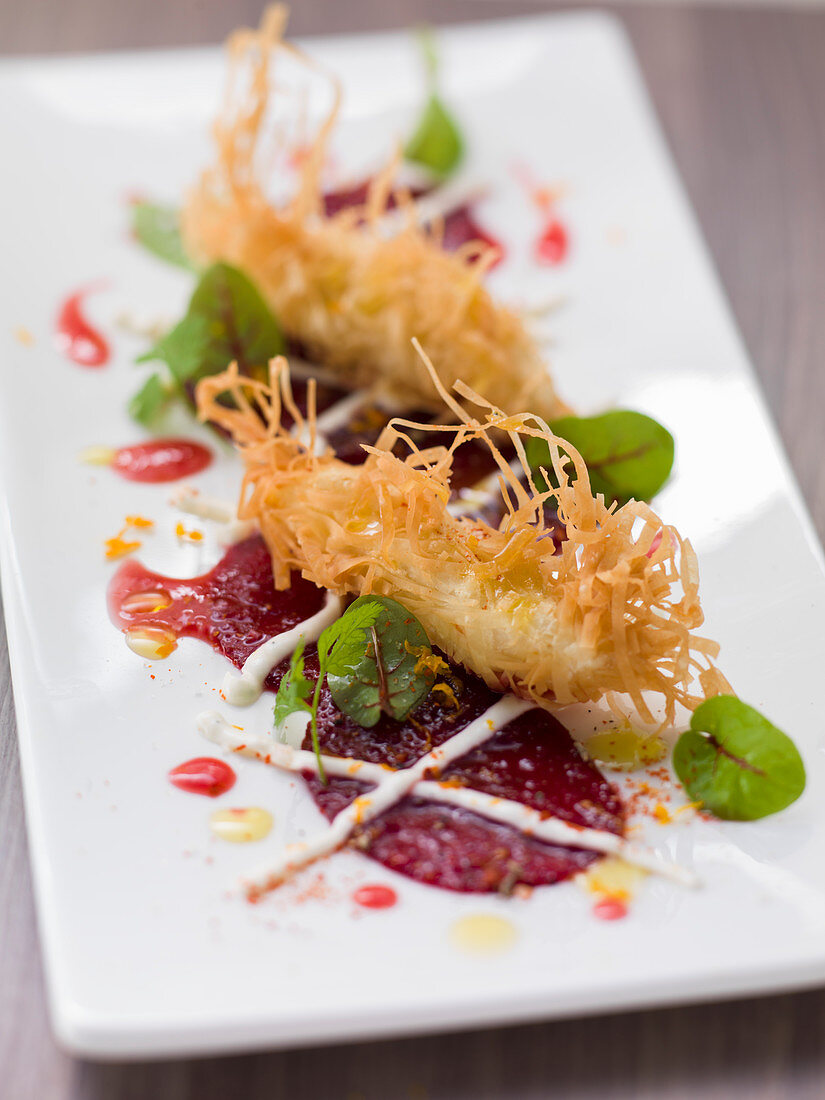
118	546
688	806
426	659
447	692
187	536
662	814
361	804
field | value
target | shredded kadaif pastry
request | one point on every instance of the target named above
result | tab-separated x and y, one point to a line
613	611
350	295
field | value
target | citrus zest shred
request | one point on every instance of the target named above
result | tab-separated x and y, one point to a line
187	536
662	814
447	692
427	661
118	547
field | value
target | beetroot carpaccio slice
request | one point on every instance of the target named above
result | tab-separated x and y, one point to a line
532	759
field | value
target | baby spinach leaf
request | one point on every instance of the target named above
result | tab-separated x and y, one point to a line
628	455
227	319
736	763
374	672
149	400
371	660
184	349
157	228
343	642
294	689
436	143
345	635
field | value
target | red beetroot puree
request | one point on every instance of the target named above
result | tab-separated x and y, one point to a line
234	607
75	337
532	759
161	460
203	775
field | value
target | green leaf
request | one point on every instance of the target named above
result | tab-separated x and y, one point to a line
294	689
436	142
184	349
372	671
227	319
157	228
344	630
736	763
149	400
628	455
368	657
343	642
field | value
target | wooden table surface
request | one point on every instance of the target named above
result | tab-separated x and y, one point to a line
741	94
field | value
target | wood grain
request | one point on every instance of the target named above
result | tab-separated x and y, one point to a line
741	95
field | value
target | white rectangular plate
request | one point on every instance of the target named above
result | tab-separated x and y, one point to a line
148	950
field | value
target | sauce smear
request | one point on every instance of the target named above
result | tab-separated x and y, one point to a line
161	460
203	775
610	909
234	607
76	338
533	759
375	897
553	244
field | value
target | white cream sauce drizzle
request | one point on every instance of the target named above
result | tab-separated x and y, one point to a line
552	830
391	786
392	789
243	688
194	503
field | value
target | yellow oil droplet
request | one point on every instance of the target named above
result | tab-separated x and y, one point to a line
241	826
97	456
626	749
150	643
612	877
483	934
142	603
24	336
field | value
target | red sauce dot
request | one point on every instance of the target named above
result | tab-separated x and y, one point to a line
76	338
375	897
203	775
554	243
610	909
161	460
